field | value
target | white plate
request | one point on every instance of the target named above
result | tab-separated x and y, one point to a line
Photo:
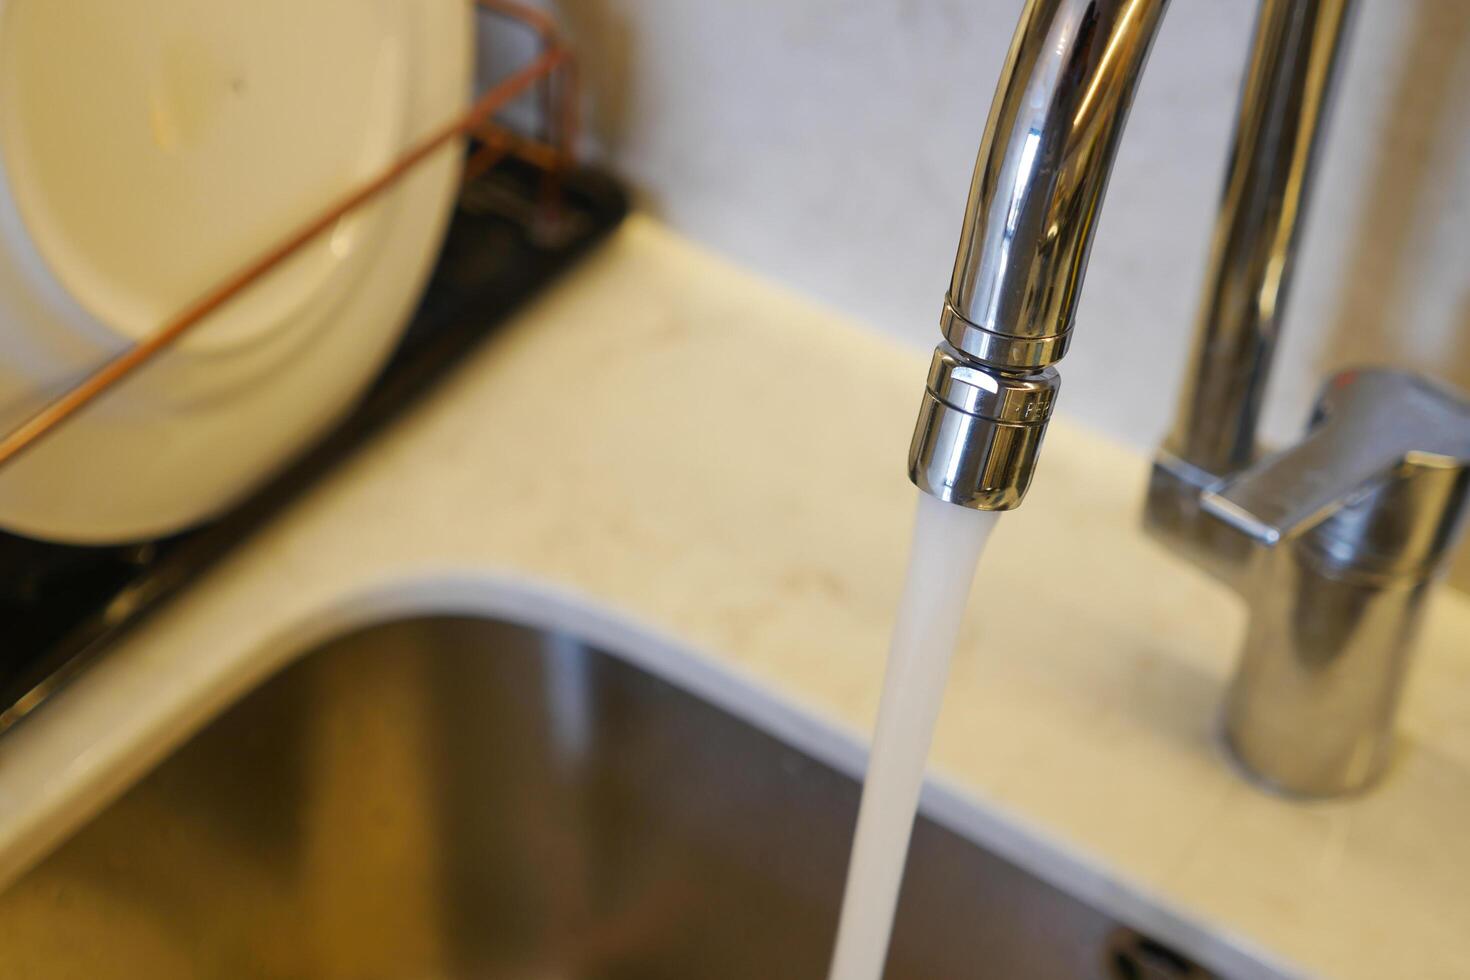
146	149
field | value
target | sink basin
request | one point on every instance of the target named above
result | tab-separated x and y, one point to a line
455	797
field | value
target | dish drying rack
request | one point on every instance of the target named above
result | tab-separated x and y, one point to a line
527	208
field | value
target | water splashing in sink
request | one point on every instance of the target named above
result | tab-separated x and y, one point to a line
946	548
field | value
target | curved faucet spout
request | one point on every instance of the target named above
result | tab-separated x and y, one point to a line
1040	177
1038	186
1039	181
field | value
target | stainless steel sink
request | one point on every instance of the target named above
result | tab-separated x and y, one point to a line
465	798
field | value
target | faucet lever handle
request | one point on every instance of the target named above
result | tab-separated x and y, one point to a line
1383	472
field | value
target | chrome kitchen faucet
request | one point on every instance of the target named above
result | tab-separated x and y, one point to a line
1334	542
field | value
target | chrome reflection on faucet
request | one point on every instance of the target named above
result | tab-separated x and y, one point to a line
1034	199
1333	543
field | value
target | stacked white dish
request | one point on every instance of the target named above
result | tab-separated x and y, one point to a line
149	148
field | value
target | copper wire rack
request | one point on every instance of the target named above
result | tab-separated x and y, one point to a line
526	211
552	73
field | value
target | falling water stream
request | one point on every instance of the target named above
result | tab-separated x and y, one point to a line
946	548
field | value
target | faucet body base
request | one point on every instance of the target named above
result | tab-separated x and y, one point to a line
1310	711
1334	545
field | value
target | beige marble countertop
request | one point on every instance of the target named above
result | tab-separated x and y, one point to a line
684	461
